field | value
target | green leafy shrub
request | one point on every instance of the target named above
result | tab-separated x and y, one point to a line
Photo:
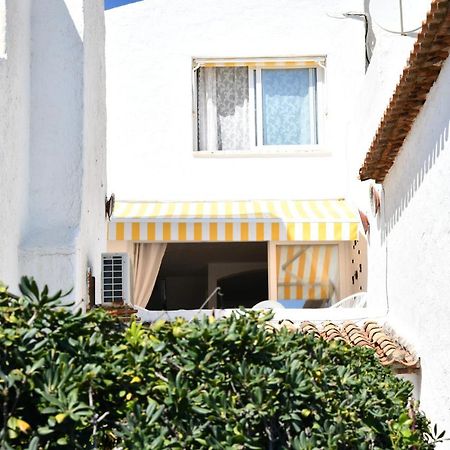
73	380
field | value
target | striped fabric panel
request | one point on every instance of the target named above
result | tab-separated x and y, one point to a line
267	62
263	64
274	220
306	272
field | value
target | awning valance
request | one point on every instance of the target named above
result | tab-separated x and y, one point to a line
223	221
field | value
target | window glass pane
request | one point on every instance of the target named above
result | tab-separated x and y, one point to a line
288	107
307	275
223	114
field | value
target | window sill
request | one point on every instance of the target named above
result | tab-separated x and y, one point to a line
312	151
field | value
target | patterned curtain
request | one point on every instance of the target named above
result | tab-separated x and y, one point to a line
223	113
286	107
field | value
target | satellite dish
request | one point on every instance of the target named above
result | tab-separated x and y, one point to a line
399	16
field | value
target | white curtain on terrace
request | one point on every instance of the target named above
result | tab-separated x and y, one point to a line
223	108
147	260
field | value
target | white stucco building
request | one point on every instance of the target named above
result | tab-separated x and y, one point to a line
170	166
52	142
410	235
236	135
200	159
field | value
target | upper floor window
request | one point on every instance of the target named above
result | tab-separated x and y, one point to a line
261	105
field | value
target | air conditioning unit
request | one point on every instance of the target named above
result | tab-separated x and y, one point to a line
115	278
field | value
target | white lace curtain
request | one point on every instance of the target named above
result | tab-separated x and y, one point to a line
287	107
223	112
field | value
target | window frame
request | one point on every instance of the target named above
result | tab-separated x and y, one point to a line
255	67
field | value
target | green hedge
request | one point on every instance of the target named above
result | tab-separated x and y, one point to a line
88	381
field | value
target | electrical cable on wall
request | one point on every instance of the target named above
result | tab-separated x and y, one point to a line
366	24
349	15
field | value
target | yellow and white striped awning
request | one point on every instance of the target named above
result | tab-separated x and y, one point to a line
263	63
307	272
257	220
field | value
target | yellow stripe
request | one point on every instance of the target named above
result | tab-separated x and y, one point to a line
213	231
287	275
244	232
225	64
315	208
331	212
353	231
142	210
199	210
290	232
229	231
322	231
301	273
313	273
185	209
182	231
135	231
127	210
170	210
120	231
275	232
197	231
347	211
151	231
263	64
307	231
278	257
337	231
156	210
300	209
228	209
325	279
257	208
287	212
166	231
259	231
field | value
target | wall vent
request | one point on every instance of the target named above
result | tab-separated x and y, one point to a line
115	278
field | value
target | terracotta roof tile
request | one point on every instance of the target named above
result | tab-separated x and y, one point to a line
424	65
388	349
122	311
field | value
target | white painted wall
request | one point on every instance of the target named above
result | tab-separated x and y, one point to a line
149	49
390	54
3	29
92	228
14	131
417	244
65	231
409	243
52	142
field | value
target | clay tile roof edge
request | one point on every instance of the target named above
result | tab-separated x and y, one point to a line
410	94
389	348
